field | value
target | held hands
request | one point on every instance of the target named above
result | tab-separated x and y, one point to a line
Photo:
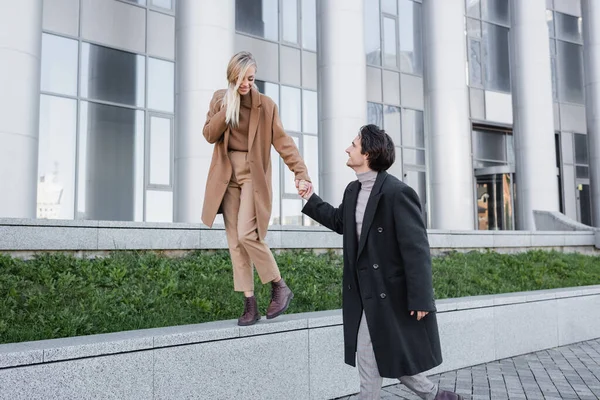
420	314
305	188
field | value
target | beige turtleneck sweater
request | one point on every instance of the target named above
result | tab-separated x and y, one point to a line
238	140
367	181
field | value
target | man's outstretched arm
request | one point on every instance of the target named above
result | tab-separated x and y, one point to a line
321	211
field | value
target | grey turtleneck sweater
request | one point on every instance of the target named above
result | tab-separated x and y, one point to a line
367	181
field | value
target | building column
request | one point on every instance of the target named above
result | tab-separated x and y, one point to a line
533	117
205	35
590	9
452	198
20	66
342	90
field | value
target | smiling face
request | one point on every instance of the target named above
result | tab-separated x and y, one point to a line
247	81
356	160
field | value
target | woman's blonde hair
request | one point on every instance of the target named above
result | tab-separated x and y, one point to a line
236	71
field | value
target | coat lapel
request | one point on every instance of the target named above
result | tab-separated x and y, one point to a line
350	218
254	115
370	210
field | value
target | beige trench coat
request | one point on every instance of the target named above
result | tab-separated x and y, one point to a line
265	129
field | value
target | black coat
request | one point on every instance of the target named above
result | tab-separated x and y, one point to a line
388	272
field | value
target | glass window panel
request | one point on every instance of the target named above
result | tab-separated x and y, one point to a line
552	47
159	206
112	75
495	11
554	78
550	20
582	172
389	42
566	147
396	168
258	17
374	90
309	24
581	148
417	181
568	27
375	114
276	182
143	2
290	70
510	149
106	161
391	87
160	151
473	27
489	145
161	85
292	212
291	114
310	113
372	32
570	72
391	123
311	158
413	130
411	51
269	89
59	65
389	6
473	8
475	75
139	171
56	158
413	156
166	4
289	184
289	13
496	58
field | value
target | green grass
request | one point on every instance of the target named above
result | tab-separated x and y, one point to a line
56	295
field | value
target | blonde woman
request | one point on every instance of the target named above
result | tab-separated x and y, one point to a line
244	124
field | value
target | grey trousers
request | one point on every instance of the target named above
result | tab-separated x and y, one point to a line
370	380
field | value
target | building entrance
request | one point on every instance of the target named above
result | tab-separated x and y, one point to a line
495	198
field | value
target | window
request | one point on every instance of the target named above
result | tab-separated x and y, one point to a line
258	18
492	147
59	65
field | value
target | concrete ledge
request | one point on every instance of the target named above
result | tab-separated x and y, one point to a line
556	221
296	356
25	237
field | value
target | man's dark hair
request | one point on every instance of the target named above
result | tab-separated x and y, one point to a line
378	146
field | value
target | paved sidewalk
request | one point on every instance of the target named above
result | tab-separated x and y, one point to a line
569	372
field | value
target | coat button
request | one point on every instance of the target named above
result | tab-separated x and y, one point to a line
375	266
380	229
383	295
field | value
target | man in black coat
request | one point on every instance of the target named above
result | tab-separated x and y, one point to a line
390	325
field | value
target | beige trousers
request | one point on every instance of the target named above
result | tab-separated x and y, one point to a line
241	228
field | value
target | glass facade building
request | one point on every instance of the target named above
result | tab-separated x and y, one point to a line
105	102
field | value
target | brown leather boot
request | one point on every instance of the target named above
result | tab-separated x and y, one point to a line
251	314
281	296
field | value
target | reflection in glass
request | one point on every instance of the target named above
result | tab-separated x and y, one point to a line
554	74
581	148
495	204
56	158
112	75
292	212
375	114
582	172
289	179
391	123
309	24
473	8
258	17
276	183
473	27
489	145
495	11
160	151
568	27
550	21
372	35
107	179
411	50
570	72
159	206
496	57
59	65
413	130
166	4
475	78
291	115
389	43
310	112
161	85
413	156
289	13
